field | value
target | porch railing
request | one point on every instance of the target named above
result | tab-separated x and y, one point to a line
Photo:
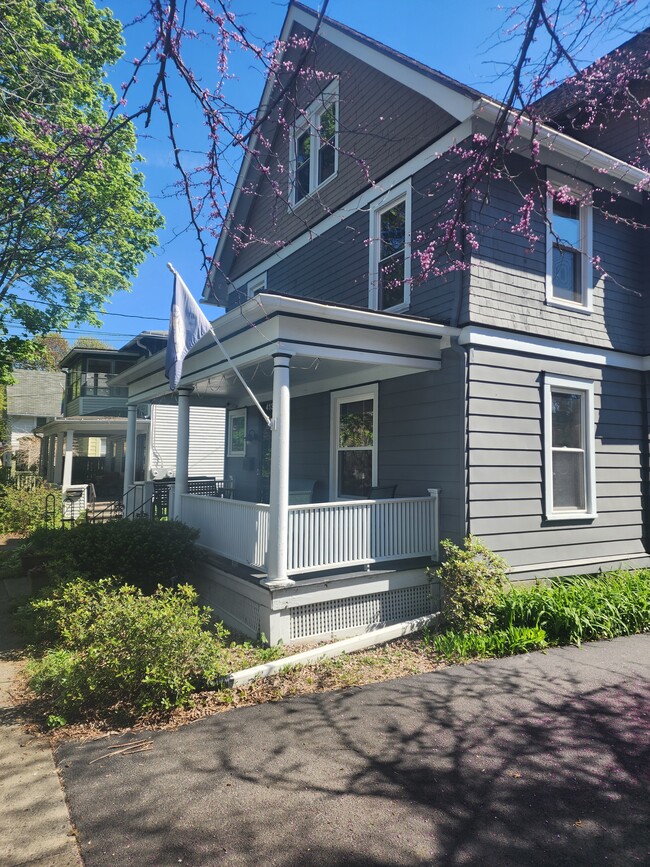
233	529
321	535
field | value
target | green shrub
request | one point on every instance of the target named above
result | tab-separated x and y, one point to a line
140	552
458	646
44	620
582	609
471	580
22	510
124	652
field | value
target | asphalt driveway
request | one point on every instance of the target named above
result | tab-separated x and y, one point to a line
534	760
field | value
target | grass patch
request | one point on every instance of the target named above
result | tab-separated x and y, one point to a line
579	609
461	646
566	611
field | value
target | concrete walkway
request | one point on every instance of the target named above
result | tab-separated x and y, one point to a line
530	761
35	825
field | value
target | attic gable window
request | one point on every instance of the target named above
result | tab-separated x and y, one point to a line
569	281
314	145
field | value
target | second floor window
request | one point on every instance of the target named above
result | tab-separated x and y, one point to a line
568	253
390	252
314	147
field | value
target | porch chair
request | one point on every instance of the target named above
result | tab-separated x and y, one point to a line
383	492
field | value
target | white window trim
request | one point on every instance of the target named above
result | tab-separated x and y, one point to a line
308	120
586	388
367	392
256	285
401	193
232	415
581	190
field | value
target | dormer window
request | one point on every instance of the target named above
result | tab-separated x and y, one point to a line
568	250
314	145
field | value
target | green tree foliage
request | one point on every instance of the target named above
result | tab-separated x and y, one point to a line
91	343
75	220
47	353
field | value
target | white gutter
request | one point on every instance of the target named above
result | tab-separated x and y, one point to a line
349	316
259	308
599	161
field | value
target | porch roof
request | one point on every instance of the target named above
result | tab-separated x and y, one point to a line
91	425
330	346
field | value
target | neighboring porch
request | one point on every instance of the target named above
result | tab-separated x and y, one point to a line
321	498
79	451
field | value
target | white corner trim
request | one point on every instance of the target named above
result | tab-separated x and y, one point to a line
473	335
362	201
330	651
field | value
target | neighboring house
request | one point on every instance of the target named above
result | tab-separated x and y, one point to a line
33	399
86	443
507	400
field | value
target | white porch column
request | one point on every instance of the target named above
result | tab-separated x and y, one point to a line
67	461
129	461
279	490
182	448
49	456
57	476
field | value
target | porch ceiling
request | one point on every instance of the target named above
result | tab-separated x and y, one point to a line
330	347
91	426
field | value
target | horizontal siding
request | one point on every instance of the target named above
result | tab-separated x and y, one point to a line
207	438
507	277
382	123
334	266
421	438
505	463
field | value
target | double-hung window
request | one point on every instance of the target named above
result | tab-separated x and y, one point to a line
390	251
314	145
354	442
569	448
569	272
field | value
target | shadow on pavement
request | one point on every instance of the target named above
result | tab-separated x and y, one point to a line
533	760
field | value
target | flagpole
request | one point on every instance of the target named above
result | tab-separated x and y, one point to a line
268	421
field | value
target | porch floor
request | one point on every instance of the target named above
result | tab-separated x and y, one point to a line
254	576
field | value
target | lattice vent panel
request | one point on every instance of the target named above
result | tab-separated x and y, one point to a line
244	609
341	614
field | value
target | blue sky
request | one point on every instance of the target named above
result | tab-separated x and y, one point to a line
461	39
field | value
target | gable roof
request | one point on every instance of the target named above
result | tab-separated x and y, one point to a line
455	98
35	393
459	100
567	95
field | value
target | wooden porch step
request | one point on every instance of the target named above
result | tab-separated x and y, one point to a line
103	511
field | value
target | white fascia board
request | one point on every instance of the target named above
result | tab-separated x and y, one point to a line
362	201
351	315
527	344
599	161
454	103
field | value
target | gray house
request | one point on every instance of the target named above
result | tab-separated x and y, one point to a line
34	397
507	399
